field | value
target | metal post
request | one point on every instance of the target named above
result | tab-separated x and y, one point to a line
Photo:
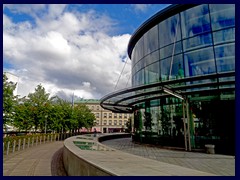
188	120
184	126
8	145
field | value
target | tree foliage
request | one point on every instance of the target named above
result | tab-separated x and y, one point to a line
39	111
9	100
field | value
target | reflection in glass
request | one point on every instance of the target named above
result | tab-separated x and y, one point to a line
222	15
152	73
199	62
195	21
170	50
151	40
225	57
169	31
197	42
174	72
224	36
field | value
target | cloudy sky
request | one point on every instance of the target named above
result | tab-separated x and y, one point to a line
71	48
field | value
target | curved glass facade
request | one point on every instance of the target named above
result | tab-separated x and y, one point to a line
195	42
191	52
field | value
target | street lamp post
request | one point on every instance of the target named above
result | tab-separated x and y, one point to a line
46	124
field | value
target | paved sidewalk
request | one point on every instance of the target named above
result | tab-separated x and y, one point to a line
35	161
212	163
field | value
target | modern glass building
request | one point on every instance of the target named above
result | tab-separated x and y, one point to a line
183	78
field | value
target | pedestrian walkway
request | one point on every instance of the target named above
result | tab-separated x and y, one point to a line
212	163
35	161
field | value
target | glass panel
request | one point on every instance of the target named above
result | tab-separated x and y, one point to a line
151	40
175	72
139	49
168	50
152	57
169	31
199	62
195	21
224	36
152	73
225	57
133	57
222	15
197	42
140	77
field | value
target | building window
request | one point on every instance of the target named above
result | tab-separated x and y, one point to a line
115	115
120	115
97	123
125	116
110	115
92	108
97	107
120	122
105	115
125	122
97	115
110	122
105	122
115	122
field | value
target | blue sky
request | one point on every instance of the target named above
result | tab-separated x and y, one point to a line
71	48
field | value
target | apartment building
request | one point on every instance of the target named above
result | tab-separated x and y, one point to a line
106	121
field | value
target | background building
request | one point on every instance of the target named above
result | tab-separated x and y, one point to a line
183	78
14	79
106	121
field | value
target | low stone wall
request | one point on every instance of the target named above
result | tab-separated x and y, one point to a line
86	156
73	158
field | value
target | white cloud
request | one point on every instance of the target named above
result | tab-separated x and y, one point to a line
140	7
65	52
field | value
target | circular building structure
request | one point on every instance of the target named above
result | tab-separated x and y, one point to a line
183	78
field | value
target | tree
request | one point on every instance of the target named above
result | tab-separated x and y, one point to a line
9	100
40	103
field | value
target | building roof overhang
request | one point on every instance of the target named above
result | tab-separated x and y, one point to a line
126	100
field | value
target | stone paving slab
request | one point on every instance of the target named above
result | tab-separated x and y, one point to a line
35	161
222	165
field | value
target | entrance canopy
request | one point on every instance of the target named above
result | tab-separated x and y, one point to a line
124	101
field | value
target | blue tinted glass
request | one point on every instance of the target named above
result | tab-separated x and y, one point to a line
170	50
225	57
152	57
152	73
197	42
222	15
151	40
199	62
224	36
195	21
169	31
173	67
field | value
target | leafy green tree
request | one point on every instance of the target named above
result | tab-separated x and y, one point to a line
23	118
9	100
84	116
40	103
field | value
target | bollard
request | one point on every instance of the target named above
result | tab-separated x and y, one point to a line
28	142
8	145
40	139
14	144
210	148
51	137
24	142
36	140
19	144
32	141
